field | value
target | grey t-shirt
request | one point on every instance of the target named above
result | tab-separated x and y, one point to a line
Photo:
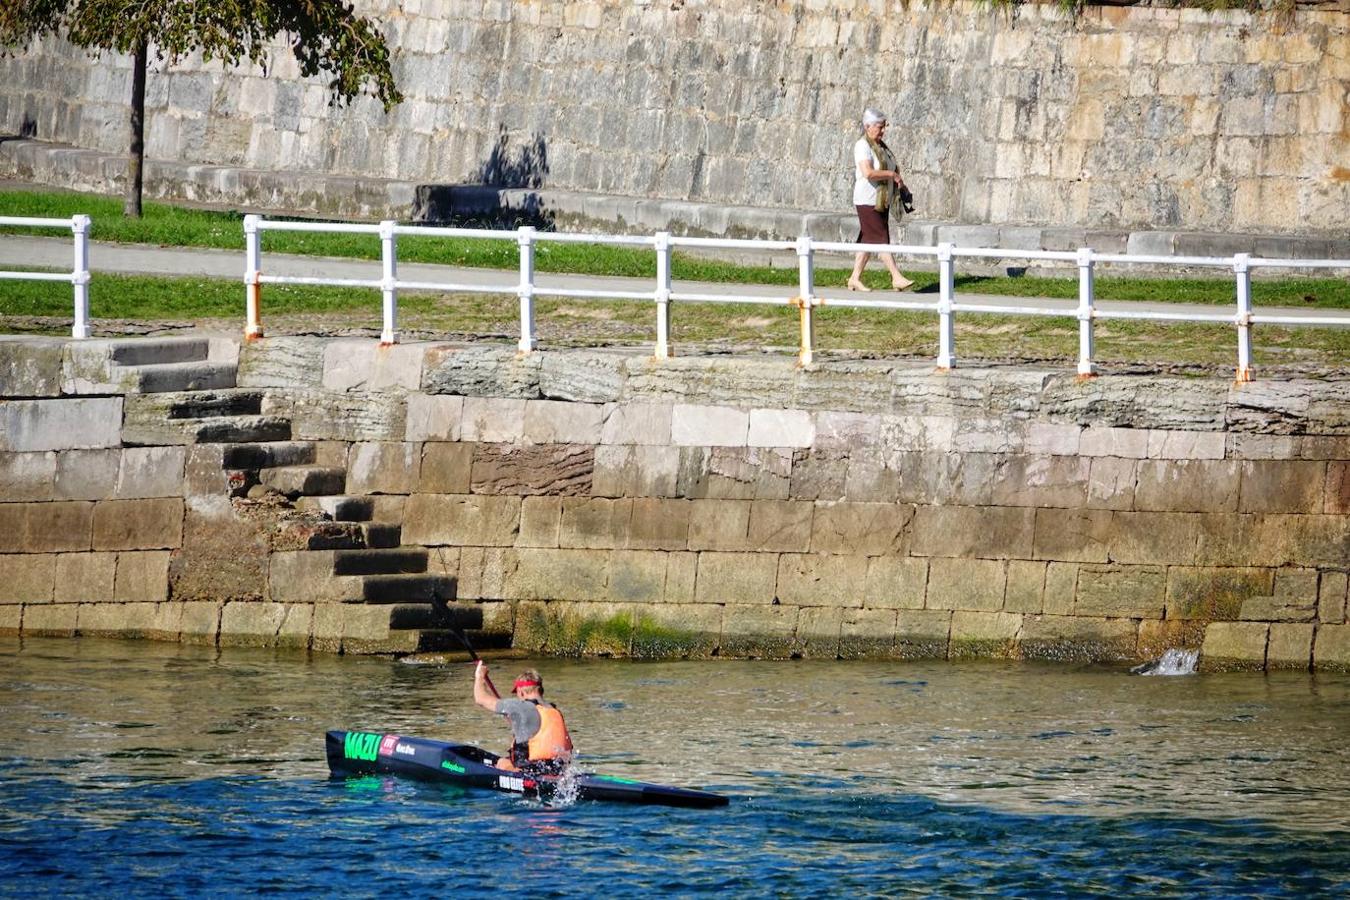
524	718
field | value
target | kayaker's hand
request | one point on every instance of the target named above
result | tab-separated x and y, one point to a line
480	671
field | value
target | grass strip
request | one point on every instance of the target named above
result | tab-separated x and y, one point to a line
175	226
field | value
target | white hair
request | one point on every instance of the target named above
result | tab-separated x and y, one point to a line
872	116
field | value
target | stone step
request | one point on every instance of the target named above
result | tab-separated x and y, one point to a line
220	430
383	589
269	454
158	351
340	509
305	480
184	376
321	535
379	562
380	535
208	404
440	615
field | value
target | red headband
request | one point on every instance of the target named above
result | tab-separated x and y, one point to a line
523	682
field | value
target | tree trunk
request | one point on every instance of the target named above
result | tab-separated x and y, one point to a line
136	159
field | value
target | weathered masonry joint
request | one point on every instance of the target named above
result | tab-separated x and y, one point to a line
344	497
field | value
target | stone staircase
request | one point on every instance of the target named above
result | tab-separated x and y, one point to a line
332	549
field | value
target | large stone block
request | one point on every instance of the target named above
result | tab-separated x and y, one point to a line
780	526
1337	499
1129	443
85	577
1061	588
867	634
659	524
329	416
31	367
1283	486
1111	483
435	519
138	524
870	529
560	422
595	523
821	580
1156	538
922	633
433	417
719	525
947	479
281	362
51	620
583	377
1231	646
364	365
1290	646
306	576
142	576
563	469
635	470
1332	650
984	634
1186	445
86	474
200	622
1156	638
734	473
781	428
677	631
1187	485
493	420
1051	481
736	578
637	423
1078	639
1206	593
1073	535
1121	591
117	619
27	476
976	584
545	574
27	578
148	472
84	424
895	582
708	426
11	619
540	518
383	467
223	557
53	527
759	632
637	576
817	476
997	532
1331	598
1292	599
445	468
481	371
818	632
253	624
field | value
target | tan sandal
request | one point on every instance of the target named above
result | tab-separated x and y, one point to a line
901	284
856	285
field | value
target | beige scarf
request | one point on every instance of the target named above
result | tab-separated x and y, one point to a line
883	160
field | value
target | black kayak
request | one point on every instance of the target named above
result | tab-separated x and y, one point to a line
370	753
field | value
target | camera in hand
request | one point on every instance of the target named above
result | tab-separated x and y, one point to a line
907	199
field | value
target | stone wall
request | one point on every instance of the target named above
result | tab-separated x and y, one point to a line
1123	119
604	503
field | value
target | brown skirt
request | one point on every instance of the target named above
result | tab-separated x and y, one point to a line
873	227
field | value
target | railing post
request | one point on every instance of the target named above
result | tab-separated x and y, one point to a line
1086	311
806	277
389	281
252	271
662	244
946	291
79	276
1242	271
525	239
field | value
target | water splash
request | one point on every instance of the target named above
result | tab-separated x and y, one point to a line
1173	662
567	791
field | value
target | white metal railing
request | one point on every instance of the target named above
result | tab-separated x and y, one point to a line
77	277
663	293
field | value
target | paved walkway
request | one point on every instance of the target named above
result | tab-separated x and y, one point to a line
180	261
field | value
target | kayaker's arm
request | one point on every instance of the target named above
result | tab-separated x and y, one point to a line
484	692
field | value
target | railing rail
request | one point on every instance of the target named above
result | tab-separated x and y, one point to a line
806	300
77	277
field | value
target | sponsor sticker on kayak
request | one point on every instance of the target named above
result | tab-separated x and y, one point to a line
361	745
388	745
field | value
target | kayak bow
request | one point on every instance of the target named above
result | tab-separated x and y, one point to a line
352	753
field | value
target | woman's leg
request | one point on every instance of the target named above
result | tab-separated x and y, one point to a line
898	281
855	279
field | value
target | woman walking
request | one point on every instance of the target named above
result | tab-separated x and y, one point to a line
876	183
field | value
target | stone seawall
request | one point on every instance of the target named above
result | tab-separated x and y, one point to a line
606	503
1122	119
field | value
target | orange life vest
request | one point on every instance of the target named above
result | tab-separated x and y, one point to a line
551	741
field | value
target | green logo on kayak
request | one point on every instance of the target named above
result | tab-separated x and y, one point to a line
360	745
453	767
616	780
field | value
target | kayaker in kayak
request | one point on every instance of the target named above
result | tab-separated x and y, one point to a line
539	739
